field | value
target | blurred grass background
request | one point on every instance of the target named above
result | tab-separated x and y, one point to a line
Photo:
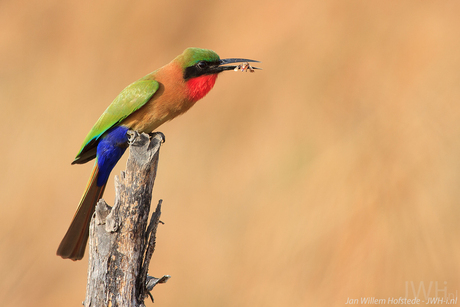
332	173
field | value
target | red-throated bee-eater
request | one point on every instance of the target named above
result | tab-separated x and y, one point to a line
142	106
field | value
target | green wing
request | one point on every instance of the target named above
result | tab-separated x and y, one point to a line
129	100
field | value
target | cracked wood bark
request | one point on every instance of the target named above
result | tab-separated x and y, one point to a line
121	243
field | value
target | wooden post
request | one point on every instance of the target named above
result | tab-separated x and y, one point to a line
120	243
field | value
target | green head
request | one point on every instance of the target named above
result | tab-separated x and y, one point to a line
191	56
198	62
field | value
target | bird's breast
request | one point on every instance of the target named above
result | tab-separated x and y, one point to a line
170	100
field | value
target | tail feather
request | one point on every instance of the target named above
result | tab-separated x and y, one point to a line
74	242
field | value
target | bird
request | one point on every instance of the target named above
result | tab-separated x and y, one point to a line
142	106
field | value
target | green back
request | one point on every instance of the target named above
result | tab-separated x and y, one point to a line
129	100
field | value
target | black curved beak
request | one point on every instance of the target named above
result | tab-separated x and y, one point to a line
236	60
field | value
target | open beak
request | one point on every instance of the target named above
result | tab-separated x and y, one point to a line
233	67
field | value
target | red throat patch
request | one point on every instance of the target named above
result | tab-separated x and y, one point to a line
198	87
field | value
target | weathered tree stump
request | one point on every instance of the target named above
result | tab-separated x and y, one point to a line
120	243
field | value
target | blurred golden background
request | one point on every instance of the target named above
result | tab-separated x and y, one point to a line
333	173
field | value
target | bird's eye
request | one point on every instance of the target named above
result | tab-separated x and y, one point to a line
202	65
